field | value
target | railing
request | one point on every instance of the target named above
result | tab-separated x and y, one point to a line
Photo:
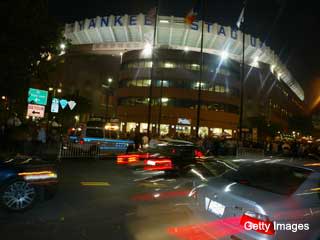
93	148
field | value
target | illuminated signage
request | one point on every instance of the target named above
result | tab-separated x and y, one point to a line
184	121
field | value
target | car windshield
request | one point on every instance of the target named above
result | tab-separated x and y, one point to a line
94	133
276	178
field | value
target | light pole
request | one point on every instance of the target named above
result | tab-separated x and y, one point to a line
107	88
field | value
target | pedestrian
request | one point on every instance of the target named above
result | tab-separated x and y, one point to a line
145	141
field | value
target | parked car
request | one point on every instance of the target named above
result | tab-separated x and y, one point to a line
25	179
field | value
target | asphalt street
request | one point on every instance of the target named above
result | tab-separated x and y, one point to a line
98	199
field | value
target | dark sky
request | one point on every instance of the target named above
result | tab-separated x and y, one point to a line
290	27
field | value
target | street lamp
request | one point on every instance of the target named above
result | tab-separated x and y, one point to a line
62	46
107	87
59	90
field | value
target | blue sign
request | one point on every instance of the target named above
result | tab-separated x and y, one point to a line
63	103
37	96
55	105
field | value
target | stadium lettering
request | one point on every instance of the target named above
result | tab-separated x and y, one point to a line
133	21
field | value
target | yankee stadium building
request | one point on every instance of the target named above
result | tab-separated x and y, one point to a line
110	63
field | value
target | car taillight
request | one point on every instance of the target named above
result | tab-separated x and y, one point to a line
131	158
158	164
81	141
198	153
257	222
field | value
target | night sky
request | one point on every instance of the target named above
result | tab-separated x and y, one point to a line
289	27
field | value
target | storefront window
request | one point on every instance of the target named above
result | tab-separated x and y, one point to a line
217	131
183	129
227	133
131	126
203	131
164	129
143	127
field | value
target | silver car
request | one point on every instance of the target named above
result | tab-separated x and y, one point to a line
261	201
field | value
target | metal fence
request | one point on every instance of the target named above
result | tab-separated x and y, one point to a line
92	150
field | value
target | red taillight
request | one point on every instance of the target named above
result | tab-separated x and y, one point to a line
198	153
81	141
158	164
257	222
131	158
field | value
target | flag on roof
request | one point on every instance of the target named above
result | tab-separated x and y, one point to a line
193	13
241	18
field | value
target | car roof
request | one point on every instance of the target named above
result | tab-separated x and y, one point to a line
303	164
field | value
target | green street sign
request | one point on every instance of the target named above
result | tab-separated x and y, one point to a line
37	96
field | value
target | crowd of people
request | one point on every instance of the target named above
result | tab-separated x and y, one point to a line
33	138
28	137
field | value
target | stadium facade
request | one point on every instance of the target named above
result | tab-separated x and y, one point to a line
116	47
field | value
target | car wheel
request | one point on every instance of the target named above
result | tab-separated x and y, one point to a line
18	195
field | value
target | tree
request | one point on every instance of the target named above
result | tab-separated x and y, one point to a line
27	40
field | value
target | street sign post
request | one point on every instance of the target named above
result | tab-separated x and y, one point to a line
72	104
63	103
55	105
37	96
35	111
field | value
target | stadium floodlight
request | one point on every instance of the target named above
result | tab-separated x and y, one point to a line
224	55
147	49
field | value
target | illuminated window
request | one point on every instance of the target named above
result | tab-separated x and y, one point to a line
131	126
217	131
148	64
169	65
220	89
195	67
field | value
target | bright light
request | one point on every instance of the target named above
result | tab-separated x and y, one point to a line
164	100
38	175
279	76
62	46
147	49
224	55
121	53
49	57
272	68
109	80
256	59
186	49
77	117
164	21
59	90
3	97
50	89
168	65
